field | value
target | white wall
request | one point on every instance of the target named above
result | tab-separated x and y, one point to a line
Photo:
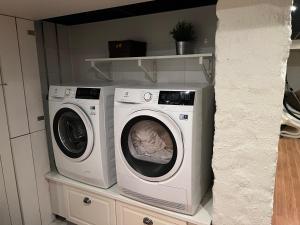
293	69
252	47
90	40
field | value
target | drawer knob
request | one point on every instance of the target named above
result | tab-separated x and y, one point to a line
147	221
87	201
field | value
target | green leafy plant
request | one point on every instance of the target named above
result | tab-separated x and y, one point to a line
183	31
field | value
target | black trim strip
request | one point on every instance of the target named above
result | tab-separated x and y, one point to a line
138	9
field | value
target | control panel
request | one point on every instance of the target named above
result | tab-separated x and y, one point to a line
87	93
176	97
150	96
136	96
56	92
60	93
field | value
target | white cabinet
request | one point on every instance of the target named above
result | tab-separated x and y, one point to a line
85	205
4	211
12	75
24	167
20	71
24	157
57	196
31	77
131	215
87	209
7	165
42	167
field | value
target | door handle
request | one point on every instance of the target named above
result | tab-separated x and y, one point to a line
4	84
40	118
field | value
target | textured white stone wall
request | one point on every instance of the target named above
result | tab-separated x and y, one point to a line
252	46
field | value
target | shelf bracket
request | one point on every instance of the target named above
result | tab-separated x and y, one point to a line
106	76
149	68
208	72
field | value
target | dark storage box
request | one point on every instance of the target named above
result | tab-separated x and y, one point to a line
127	48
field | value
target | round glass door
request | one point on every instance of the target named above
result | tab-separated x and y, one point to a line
150	148
70	132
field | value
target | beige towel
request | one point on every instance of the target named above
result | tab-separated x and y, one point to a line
290	126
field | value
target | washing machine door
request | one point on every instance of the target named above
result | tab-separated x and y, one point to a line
73	132
152	145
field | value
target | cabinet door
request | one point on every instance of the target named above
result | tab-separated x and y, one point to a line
12	75
131	215
4	212
31	76
8	167
42	166
21	148
88	209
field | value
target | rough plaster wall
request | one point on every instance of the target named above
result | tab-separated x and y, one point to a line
252	46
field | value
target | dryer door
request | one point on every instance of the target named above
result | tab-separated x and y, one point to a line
152	145
73	132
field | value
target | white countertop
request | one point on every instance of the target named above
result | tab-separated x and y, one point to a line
202	217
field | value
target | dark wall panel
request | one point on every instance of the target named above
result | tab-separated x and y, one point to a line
130	10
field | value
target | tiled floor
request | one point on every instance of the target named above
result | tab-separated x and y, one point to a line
287	188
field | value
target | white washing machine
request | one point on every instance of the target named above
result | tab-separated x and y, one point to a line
163	144
81	120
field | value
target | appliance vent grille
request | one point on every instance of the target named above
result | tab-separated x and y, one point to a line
154	201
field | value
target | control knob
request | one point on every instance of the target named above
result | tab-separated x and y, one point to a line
147	96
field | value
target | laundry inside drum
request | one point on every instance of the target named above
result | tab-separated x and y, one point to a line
150	141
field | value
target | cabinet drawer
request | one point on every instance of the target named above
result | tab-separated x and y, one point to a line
131	215
85	208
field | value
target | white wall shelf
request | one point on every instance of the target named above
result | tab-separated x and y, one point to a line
295	45
148	64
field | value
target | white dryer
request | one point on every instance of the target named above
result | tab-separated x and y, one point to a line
81	120
163	144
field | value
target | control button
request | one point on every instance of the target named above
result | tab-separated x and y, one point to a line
183	117
147	96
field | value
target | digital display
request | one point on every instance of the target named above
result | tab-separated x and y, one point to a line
88	93
176	97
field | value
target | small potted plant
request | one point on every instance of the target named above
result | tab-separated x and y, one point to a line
184	35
